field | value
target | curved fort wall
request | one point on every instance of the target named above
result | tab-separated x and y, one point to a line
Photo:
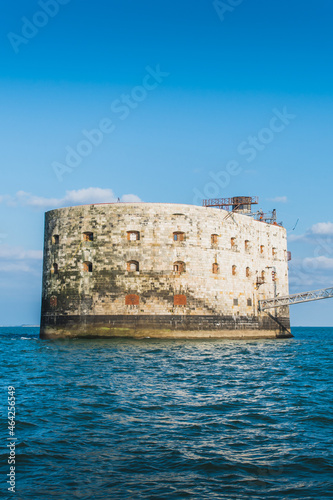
164	270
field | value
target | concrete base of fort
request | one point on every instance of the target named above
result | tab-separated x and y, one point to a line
166	327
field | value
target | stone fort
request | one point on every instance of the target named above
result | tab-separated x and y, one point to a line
162	270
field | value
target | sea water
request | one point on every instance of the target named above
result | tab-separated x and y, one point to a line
169	419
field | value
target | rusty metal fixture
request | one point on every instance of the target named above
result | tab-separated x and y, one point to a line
235	203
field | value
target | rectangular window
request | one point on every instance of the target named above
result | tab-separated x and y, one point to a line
133	235
132	266
88	236
53	301
249	302
179	267
178	236
87	267
235	302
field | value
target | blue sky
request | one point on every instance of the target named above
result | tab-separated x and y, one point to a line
180	90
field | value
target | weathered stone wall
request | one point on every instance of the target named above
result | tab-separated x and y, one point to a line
209	287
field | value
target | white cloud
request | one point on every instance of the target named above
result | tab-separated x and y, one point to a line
18	253
320	262
130	198
296	237
89	195
316	269
312	279
313	272
278	199
315	233
16	259
9	267
75	197
322	228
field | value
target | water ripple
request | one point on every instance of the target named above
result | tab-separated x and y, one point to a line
153	419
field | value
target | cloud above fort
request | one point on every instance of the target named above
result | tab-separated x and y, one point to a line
74	197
